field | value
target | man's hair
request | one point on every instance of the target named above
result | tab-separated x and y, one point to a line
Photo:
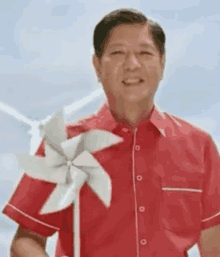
125	16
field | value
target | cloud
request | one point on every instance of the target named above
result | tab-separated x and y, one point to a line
8	5
213	18
51	39
5	242
206	123
63	35
179	40
8	163
10	173
192	61
174	5
60	10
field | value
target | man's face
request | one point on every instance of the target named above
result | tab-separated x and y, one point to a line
131	66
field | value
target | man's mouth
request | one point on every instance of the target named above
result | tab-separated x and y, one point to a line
130	82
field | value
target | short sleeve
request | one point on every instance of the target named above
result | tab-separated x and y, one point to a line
27	200
211	186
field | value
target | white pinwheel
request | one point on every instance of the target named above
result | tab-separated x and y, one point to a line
69	163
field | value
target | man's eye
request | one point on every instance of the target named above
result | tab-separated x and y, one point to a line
145	53
117	52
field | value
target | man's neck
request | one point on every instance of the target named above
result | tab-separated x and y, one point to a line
130	114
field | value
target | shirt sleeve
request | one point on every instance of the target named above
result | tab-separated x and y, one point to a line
27	200
211	186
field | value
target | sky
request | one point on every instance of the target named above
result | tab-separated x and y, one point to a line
45	64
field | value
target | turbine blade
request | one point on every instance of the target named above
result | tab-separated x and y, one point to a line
83	102
16	114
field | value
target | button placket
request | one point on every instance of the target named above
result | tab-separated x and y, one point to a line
140	209
135	195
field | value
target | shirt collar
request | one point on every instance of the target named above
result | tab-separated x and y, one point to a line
159	120
103	119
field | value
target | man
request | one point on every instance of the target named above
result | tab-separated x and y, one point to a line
165	175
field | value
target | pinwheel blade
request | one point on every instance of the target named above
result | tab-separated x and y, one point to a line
53	158
54	130
37	168
97	140
100	182
71	146
62	197
85	159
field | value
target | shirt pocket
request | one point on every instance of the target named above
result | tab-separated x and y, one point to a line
182	209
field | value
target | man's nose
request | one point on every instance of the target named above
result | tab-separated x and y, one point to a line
132	62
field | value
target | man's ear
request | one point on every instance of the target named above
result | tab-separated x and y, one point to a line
97	64
163	62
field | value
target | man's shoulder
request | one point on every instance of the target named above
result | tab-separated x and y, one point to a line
185	127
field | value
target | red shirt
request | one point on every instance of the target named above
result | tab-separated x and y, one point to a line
165	189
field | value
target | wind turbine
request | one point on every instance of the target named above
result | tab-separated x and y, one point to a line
36	126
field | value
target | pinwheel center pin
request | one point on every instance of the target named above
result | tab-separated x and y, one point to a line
69	163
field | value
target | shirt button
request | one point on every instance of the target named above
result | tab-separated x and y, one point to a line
141	208
139	177
125	129
137	147
143	241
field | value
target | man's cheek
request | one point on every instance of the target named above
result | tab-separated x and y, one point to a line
118	68
108	72
153	71
112	70
151	68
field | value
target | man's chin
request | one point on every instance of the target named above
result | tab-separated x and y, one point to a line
135	101
139	98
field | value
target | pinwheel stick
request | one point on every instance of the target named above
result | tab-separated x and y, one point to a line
76	227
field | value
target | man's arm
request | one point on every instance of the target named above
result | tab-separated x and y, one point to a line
28	244
209	242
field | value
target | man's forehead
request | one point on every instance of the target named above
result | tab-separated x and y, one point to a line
129	34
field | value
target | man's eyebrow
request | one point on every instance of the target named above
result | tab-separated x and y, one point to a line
141	44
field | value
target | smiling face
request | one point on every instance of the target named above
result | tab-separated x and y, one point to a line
131	65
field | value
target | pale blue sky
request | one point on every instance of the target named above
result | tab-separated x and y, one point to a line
45	64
